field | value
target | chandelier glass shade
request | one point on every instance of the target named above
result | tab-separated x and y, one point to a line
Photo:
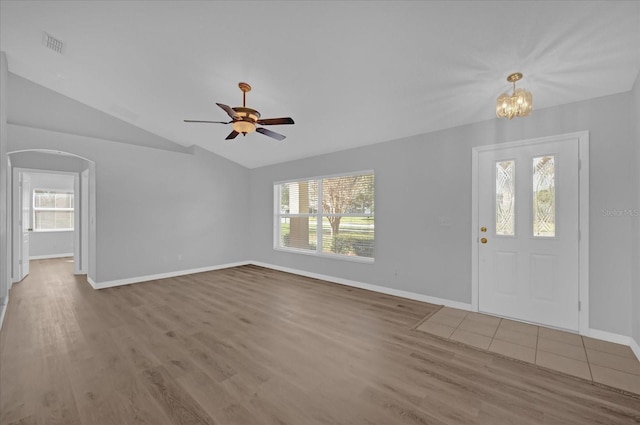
517	104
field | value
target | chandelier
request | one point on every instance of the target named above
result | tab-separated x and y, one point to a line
518	104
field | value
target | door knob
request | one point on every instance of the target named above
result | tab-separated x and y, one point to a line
483	240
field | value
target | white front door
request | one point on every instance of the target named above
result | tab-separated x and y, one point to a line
528	219
25	223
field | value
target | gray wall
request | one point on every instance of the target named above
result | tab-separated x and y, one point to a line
56	112
50	244
57	243
5	242
422	178
47	161
158	210
635	305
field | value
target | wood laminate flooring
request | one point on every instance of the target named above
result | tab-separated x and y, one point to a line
249	345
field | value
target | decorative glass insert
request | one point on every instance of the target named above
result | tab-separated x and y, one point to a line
544	196
505	197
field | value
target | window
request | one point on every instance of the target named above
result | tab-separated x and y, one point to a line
52	210
331	216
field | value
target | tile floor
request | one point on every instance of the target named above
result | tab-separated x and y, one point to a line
610	364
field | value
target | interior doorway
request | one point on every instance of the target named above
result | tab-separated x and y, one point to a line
26	164
50	216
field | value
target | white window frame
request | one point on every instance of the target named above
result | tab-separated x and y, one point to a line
34	209
318	215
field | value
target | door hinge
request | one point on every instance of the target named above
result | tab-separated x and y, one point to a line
579	164
579	306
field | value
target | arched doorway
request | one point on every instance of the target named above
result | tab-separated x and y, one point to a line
83	171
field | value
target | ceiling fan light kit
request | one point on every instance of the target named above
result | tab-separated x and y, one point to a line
517	104
244	120
247	122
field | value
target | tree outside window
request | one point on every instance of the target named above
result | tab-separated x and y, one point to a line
346	215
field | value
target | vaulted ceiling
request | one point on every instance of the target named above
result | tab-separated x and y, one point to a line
349	73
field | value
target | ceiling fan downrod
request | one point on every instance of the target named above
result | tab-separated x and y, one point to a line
245	88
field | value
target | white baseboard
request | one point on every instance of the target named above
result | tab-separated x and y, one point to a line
635	347
128	281
3	310
608	336
347	282
46	257
369	287
616	338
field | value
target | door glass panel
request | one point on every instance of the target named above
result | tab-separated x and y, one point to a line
544	196
505	197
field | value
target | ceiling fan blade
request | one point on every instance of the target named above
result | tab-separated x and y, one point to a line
275	121
270	133
232	135
228	110
208	122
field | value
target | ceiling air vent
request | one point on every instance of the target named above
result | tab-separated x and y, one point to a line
50	42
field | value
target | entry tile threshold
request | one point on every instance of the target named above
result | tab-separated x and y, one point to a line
607	363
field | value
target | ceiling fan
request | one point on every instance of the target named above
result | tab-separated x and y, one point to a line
244	120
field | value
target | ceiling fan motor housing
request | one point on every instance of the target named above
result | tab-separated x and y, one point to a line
247	114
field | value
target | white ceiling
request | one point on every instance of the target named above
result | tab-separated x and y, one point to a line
349	73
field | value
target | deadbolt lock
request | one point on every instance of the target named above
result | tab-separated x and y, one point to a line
483	240
483	229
